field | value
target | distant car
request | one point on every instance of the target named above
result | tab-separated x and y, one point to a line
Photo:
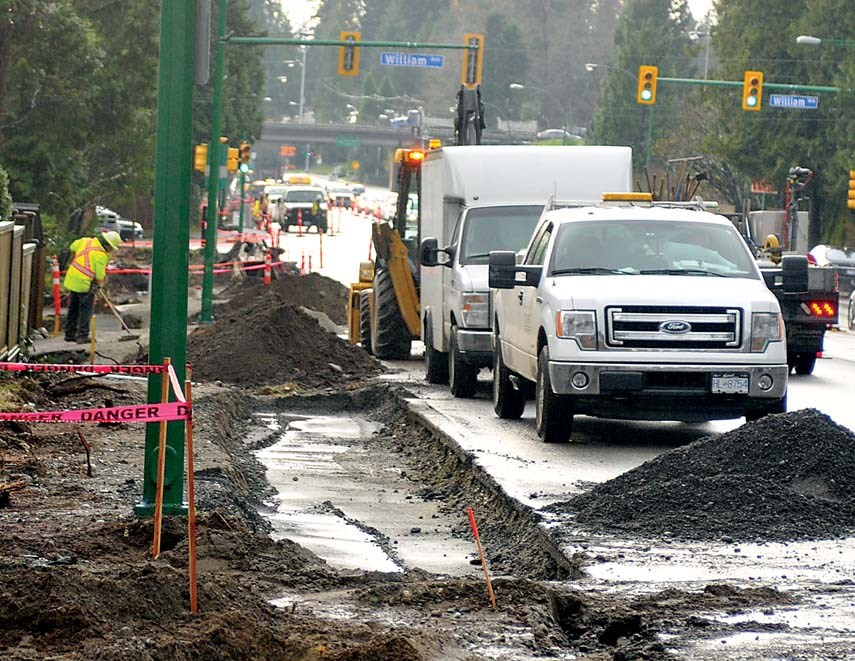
850	318
109	220
340	197
556	134
357	189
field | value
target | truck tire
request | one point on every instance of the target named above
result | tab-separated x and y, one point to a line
436	362
365	320
462	377
390	338
554	417
779	406
805	362
508	402
851	315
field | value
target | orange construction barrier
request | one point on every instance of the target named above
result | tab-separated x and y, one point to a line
267	268
299	222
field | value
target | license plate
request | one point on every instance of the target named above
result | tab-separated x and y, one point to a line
729	384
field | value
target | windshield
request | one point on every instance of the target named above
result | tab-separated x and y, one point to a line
641	247
302	196
274	190
496	228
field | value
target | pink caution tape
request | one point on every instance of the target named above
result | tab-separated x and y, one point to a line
97	369
141	413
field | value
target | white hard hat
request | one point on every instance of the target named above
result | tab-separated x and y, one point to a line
112	238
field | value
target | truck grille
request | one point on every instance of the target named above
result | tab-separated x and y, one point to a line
654	327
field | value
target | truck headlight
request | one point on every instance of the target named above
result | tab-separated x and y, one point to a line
579	325
476	310
766	327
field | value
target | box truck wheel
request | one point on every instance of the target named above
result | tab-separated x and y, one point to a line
553	413
365	320
390	338
462	377
508	402
436	362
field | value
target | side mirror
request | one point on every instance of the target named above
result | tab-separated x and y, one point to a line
502	269
532	275
451	251
428	251
794	273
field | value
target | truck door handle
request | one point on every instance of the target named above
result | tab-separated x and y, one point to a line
539	299
520	296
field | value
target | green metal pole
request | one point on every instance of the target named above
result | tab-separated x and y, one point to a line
739	83
242	184
214	168
648	143
173	167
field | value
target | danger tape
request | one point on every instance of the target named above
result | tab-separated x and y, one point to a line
141	413
97	369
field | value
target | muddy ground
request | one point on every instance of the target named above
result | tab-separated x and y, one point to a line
77	580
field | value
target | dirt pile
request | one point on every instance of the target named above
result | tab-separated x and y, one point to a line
785	477
313	291
270	341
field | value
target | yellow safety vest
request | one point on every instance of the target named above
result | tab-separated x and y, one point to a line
89	263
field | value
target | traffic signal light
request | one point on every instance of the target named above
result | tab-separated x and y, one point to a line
752	90
244	152
647	76
473	60
232	159
348	56
200	157
851	201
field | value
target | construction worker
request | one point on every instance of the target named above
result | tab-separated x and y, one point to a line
85	274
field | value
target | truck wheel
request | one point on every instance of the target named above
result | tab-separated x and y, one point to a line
554	418
805	362
365	320
779	406
851	315
436	362
508	402
462	377
390	338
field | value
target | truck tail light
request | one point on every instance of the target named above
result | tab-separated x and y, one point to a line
822	309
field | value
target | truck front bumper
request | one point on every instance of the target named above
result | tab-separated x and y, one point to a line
665	391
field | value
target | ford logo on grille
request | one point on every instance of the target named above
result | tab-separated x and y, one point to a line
675	327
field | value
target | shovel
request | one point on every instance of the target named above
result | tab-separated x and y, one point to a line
125	338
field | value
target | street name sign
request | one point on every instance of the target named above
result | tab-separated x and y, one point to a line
412	60
794	101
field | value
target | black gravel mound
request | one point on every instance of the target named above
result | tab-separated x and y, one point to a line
785	477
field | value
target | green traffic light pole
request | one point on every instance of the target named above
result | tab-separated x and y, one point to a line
739	83
214	145
290	41
173	167
242	183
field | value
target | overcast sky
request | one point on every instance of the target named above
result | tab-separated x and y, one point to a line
300	11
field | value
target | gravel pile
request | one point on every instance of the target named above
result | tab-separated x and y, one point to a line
313	291
273	342
784	477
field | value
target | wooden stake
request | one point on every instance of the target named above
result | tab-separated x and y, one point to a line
161	463
483	559
191	498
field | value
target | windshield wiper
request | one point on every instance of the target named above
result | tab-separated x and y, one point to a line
681	272
590	270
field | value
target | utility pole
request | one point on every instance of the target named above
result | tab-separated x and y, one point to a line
214	169
173	168
303	50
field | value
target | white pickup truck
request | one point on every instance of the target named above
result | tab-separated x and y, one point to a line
636	311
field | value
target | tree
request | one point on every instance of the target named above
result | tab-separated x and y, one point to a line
5	198
651	32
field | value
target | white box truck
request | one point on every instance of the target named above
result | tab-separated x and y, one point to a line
477	199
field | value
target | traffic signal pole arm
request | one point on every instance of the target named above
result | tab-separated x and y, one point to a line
739	83
274	41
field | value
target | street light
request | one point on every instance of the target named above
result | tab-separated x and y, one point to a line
807	40
702	30
520	86
590	66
